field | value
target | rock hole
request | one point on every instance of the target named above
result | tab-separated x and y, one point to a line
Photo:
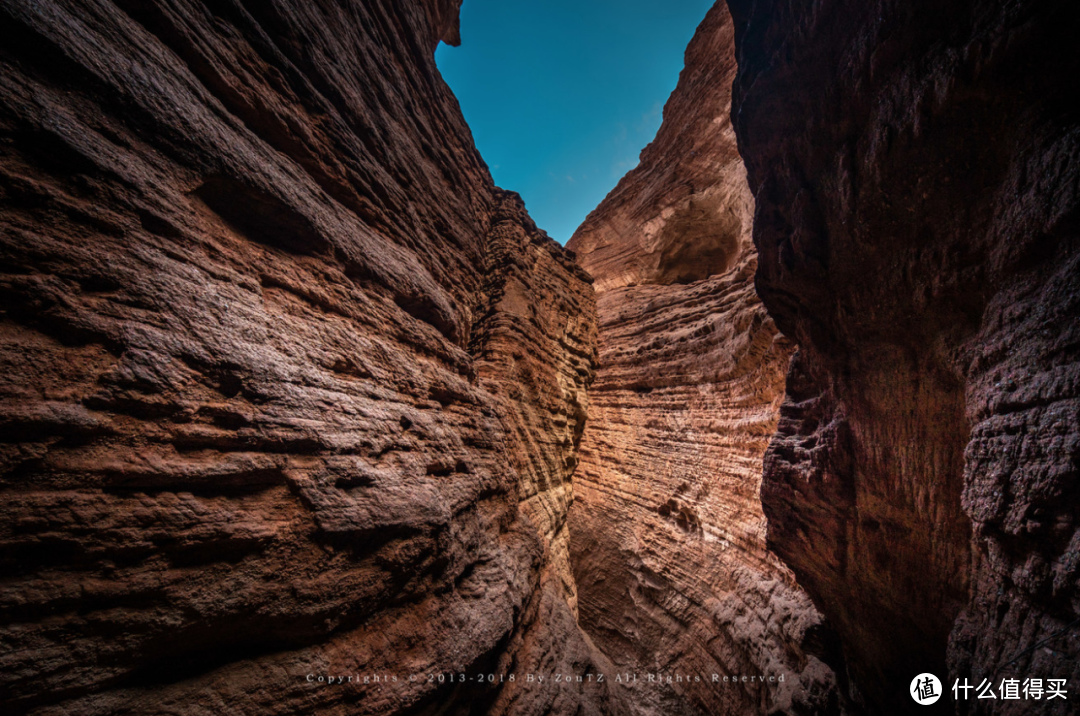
261	216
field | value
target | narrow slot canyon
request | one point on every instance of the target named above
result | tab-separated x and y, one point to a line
667	534
302	414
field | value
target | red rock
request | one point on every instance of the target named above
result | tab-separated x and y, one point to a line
915	169
667	532
289	387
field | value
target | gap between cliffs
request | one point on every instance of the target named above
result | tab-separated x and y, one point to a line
667	533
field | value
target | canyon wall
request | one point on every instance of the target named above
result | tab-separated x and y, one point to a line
290	390
667	533
916	171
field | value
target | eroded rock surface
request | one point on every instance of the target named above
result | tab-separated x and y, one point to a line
667	533
289	388
916	168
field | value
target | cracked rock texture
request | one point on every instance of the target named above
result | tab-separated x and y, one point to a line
916	170
667	532
289	388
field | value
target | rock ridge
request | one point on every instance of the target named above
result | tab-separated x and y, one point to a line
667	533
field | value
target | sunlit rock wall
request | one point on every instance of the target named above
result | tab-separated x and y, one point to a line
289	388
916	169
667	533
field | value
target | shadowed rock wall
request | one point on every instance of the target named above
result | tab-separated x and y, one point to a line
916	170
289	388
667	533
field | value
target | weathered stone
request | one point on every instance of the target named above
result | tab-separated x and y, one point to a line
667	533
289	387
916	170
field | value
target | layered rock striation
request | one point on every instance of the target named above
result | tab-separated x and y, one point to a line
667	532
290	390
916	170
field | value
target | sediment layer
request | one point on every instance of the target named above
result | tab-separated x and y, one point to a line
915	170
667	532
290	389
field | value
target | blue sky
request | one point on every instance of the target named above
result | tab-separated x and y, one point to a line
562	95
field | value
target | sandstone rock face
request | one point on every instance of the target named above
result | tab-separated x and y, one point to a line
289	387
684	214
667	533
916	170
